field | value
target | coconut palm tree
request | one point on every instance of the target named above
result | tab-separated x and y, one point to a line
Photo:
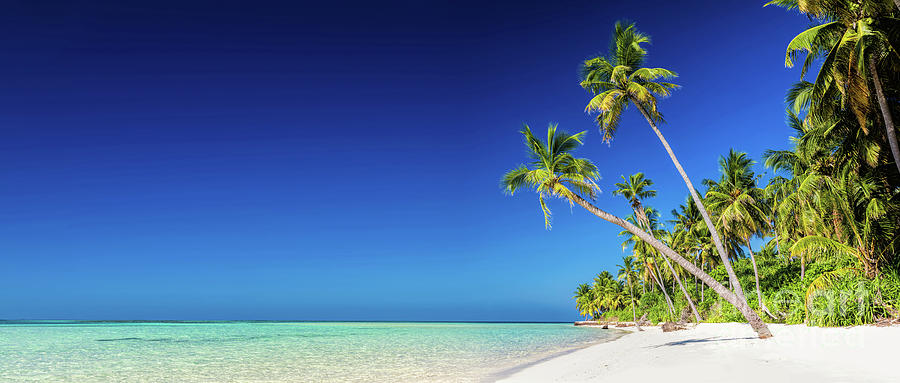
554	172
853	36
822	146
628	272
619	80
740	206
782	192
783	228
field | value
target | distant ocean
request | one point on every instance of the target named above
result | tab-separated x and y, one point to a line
48	351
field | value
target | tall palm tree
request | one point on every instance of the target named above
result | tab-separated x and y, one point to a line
740	206
853	36
782	192
554	172
628	272
619	80
782	227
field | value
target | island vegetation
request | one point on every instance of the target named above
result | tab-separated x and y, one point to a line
806	235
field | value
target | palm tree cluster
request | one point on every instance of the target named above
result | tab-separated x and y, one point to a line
824	214
604	294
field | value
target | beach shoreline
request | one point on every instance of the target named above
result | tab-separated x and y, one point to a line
507	373
715	352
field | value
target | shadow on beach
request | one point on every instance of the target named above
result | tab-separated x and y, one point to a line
703	340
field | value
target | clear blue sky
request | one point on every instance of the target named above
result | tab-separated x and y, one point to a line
280	160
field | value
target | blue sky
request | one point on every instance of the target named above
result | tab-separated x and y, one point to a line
282	160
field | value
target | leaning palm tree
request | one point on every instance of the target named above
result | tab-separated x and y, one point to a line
628	272
554	172
620	80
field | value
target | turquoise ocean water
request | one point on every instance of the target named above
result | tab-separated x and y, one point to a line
279	351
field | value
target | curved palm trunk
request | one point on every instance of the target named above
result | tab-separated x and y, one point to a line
683	290
885	111
658	279
762	305
712	229
731	297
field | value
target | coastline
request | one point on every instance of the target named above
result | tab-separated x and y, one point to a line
509	372
715	352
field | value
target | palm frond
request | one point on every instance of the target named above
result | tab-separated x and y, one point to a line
818	247
811	41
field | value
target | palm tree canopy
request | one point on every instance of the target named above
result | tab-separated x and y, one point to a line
627	270
552	170
619	78
847	32
635	188
736	200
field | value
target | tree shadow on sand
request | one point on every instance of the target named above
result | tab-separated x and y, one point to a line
703	340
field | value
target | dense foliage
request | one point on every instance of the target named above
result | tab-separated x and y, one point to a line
824	215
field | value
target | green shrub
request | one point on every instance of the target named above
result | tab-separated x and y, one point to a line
887	288
840	298
787	302
654	305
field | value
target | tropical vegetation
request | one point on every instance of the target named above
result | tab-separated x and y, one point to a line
813	230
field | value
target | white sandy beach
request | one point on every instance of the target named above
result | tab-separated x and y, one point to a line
730	352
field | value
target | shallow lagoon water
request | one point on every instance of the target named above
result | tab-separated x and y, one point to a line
279	351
